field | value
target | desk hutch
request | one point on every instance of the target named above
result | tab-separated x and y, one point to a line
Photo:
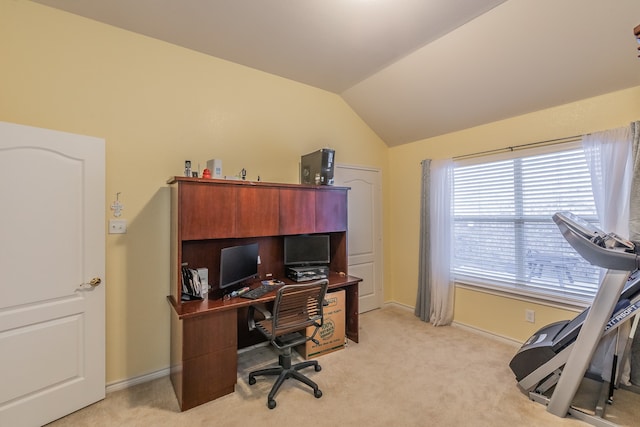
208	215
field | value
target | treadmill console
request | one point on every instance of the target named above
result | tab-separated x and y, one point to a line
606	250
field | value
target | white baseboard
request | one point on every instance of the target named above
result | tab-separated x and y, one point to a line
399	305
492	335
129	382
469	328
120	385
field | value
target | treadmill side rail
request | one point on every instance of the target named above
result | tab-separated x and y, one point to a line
587	341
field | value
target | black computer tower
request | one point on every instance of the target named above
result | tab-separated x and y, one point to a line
317	168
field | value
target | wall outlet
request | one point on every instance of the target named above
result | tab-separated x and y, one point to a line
117	226
530	316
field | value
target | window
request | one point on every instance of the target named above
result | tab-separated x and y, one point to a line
503	227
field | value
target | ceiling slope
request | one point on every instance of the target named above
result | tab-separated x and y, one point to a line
412	69
520	57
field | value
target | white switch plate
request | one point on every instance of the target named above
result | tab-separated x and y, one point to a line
117	226
530	316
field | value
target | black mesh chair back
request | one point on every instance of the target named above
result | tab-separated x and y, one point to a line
295	309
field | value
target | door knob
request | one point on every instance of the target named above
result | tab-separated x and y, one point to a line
93	283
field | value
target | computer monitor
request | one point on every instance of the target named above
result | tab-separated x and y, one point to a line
307	249
237	264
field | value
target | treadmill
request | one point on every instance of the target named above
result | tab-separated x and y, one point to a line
551	365
550	340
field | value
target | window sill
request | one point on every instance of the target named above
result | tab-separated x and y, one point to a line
556	301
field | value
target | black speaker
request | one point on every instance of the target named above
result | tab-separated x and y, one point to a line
317	168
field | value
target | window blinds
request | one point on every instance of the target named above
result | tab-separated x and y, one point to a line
503	227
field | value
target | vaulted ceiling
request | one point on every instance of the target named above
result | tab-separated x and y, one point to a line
412	69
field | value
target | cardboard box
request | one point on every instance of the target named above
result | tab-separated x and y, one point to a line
332	333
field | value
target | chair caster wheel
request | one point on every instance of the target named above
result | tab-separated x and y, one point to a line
317	394
271	404
252	381
318	368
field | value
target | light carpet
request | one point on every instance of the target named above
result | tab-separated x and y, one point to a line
404	372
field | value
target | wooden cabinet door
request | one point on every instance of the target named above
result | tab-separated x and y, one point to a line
257	212
209	360
331	210
297	210
207	211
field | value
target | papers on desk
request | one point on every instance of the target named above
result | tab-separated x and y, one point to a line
192	287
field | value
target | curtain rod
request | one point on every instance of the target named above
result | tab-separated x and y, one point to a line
521	146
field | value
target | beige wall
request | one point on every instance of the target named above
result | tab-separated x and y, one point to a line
156	105
498	315
504	316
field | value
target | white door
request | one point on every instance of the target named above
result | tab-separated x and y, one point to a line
365	231
52	326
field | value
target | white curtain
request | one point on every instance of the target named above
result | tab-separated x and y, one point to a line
435	287
441	242
608	155
634	208
634	234
609	158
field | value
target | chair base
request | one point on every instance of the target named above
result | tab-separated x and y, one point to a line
285	371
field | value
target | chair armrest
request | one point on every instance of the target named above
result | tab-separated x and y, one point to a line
251	314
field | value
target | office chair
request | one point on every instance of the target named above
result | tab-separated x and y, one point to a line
296	307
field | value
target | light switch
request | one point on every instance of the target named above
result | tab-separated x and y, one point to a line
117	226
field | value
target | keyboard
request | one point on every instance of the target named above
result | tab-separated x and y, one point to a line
259	291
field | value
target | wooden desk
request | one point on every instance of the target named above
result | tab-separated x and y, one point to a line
208	215
206	335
